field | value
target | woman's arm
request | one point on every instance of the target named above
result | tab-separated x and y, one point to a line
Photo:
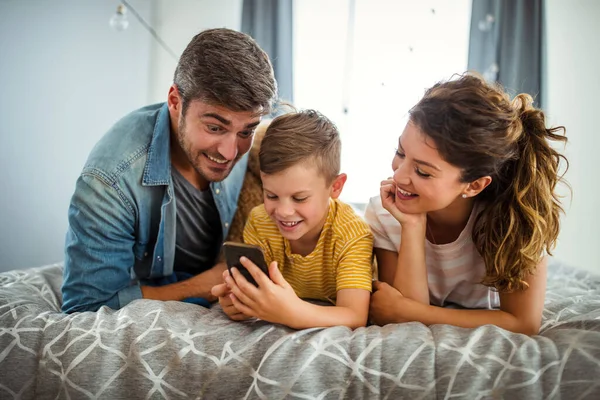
410	275
520	312
528	305
386	265
406	270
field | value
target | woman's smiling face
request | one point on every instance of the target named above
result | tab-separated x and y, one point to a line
424	181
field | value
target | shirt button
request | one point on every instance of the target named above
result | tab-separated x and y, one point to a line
158	258
146	254
217	191
226	224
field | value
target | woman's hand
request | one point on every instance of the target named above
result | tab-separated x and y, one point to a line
387	191
389	306
274	300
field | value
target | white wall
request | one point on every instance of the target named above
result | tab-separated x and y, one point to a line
66	77
573	84
177	22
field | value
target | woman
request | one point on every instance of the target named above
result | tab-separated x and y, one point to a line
470	212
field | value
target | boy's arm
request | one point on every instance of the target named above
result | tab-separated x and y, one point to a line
353	281
351	310
275	301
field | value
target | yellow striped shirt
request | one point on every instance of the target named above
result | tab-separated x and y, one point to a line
342	258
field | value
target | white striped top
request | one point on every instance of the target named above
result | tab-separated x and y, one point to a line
454	270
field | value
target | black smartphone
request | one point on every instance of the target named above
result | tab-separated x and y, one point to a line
233	251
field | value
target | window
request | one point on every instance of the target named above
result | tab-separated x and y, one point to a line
364	63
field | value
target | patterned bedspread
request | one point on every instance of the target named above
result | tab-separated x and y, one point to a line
174	350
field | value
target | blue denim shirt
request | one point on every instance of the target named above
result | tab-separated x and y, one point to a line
122	215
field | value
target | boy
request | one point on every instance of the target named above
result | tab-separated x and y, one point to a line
315	245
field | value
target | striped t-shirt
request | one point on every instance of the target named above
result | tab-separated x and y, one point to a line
342	258
454	270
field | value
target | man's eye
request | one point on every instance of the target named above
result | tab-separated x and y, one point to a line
214	128
246	134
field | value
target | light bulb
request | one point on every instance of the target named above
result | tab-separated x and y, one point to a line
119	21
491	73
486	24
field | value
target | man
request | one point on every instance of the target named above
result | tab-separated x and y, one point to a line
159	191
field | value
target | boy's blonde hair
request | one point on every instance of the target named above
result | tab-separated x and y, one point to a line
301	137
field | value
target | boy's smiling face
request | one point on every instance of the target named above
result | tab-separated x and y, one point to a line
297	200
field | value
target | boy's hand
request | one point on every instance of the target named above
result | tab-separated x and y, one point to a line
274	300
387	192
223	293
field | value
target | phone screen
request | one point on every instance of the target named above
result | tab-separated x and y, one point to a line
233	251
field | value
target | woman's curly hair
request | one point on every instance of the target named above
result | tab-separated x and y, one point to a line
478	128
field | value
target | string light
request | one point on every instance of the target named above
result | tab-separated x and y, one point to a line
486	24
119	21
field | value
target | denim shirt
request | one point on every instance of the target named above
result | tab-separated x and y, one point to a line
122	214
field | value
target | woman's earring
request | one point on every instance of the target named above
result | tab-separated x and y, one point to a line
464	195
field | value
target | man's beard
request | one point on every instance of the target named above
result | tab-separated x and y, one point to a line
196	159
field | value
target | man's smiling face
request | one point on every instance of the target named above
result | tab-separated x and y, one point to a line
213	138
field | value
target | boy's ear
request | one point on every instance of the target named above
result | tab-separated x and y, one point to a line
338	185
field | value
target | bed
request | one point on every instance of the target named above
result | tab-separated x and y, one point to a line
151	349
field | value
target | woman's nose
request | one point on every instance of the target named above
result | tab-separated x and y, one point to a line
401	173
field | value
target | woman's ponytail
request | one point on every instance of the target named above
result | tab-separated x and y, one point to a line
529	208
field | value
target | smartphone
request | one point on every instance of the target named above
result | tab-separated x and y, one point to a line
233	251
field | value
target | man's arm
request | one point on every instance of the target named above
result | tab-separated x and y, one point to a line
197	286
98	248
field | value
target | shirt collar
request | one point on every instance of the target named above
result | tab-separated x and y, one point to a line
158	165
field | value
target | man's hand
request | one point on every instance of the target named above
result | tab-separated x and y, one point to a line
205	281
223	293
274	300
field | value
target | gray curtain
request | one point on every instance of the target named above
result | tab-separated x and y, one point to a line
506	44
269	22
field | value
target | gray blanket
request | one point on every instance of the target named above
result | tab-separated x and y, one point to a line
152	349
